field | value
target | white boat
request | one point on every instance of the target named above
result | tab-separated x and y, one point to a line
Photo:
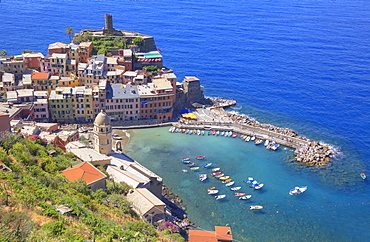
246	197
266	143
230	183
216	169
248	138
253	138
202	132
198	132
212	192
202	177
218	197
298	190
235	188
255	207
222	133
259	186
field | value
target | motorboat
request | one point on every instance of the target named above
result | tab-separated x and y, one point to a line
234	135
224	177
202	132
227	180
207	165
200	157
235	188
253	138
202	177
247	139
185	158
255	207
218	197
216	169
216	173
194	168
298	190
246	197
212	192
363	176
258	141
211	188
250	180
190	164
266	142
259	186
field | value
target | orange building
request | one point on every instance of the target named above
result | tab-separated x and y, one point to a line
221	234
93	177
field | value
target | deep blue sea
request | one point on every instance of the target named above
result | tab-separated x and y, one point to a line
302	64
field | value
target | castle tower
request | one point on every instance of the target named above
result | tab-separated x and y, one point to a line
102	134
108	23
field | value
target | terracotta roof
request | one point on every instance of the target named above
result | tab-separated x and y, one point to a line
40	75
87	172
222	233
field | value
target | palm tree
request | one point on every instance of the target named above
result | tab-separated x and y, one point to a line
69	32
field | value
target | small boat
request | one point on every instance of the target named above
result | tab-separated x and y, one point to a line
190	164
186	161
247	139
202	132
239	194
222	133
216	173
297	190
254	184
363	176
255	207
250	180
258	141
194	168
184	170
230	183
213	132
200	157
259	186
266	143
211	188
224	177
210	132
207	165
172	129
230	133
235	188
157	134
246	197
216	169
220	175
253	138
198	132
212	192
217	133
227	180
234	135
202	177
218	197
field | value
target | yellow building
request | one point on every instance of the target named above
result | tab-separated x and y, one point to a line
82	103
60	104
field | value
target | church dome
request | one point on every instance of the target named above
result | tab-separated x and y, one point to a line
102	119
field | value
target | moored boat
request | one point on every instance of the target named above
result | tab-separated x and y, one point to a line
202	132
216	169
185	158
202	177
235	188
212	192
216	173
258	141
247	139
207	165
250	180
246	197
211	188
239	194
190	164
224	177
266	142
227	180
297	190
194	168
255	207
230	183
200	157
234	135
259	186
220	175
363	176
186	161
218	197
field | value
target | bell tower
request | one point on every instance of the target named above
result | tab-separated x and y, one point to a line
102	134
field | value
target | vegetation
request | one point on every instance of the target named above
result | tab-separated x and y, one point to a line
27	51
151	70
29	196
69	31
3	52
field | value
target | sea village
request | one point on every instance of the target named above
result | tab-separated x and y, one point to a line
82	96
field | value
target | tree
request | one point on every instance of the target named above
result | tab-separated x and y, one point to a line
69	32
27	51
138	41
3	52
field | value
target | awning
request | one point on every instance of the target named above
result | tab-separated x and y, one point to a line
153	56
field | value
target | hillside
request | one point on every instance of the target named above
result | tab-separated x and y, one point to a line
31	192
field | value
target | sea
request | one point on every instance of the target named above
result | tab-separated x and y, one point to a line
302	65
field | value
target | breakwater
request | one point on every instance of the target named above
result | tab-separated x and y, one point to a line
306	151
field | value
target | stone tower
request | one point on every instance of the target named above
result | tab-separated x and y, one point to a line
102	134
108	23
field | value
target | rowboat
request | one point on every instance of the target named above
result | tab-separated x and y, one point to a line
216	169
234	135
258	141
200	157
194	168
224	177
248	138
218	197
250	180
363	176
207	165
202	132
212	192
211	188
235	188
255	207
190	164
246	197
230	183
185	158
239	194
220	175
184	170
216	173
227	180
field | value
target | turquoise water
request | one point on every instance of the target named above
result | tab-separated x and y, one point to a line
303	65
316	215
